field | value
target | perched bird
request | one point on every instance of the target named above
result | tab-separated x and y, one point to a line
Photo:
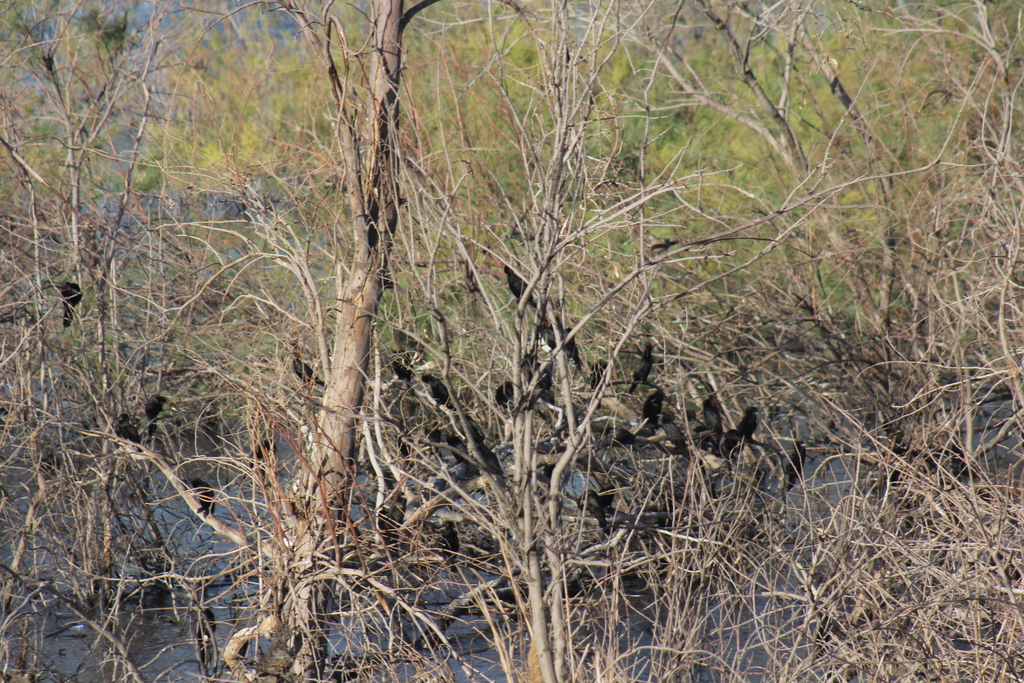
623	437
458	450
677	441
748	425
206	641
489	460
154	406
596	373
438	391
125	428
400	369
545	382
504	393
598	504
450	538
573	351
712	410
547	469
389	521
262	450
471	283
794	464
484	455
652	408
516	285
207	501
643	368
662	245
302	369
547	336
71	296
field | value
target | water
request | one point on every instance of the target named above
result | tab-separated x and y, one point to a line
743	639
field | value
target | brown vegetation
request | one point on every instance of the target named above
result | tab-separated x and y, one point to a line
637	221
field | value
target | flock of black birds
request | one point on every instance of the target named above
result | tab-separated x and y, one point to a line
470	449
125	427
473	456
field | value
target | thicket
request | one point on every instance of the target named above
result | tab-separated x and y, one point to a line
810	208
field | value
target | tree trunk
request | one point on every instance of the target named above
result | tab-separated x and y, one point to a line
373	197
327	482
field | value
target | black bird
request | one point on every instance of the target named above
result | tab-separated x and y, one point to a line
207	501
643	368
516	285
302	369
573	351
599	504
546	382
547	335
450	538
712	410
504	393
662	245
748	425
125	428
389	521
458	449
652	408
154	406
528	365
262	450
438	391
484	455
489	460
401	370
206	641
71	296
597	373
546	468
623	437
794	464
471	282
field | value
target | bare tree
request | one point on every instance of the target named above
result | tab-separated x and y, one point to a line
488	374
